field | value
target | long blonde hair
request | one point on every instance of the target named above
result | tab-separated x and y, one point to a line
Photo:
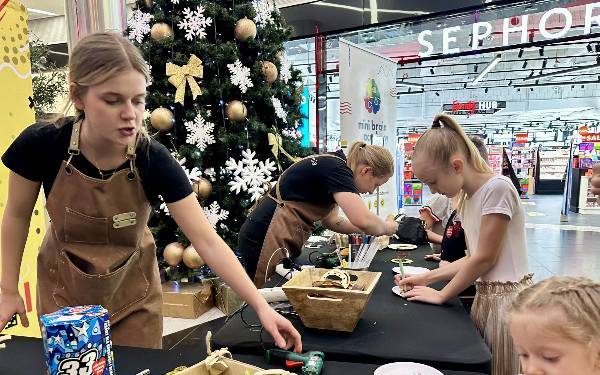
97	58
577	297
377	157
444	139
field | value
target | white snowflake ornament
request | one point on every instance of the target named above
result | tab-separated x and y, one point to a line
214	213
210	173
249	174
163	206
175	1
264	12
194	23
285	72
200	132
279	109
139	23
192	175
240	75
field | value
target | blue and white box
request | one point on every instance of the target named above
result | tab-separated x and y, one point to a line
77	341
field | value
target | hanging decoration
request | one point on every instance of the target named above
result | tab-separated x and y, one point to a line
139	25
236	111
249	174
276	143
264	12
161	32
245	29
200	132
240	76
279	112
178	75
194	23
202	188
162	119
269	71
214	213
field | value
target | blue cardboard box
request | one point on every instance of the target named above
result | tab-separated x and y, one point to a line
77	341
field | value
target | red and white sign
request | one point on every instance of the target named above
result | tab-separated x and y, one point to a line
414	137
521	137
592	137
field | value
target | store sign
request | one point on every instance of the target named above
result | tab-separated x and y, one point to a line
414	137
521	137
592	137
472	107
522	25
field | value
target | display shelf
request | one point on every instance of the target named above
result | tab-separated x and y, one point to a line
553	163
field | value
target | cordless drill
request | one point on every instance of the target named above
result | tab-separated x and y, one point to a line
311	362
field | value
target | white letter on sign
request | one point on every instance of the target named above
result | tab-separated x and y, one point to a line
478	37
507	29
447	39
561	33
425	43
589	9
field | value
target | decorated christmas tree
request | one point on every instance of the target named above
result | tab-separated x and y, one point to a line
223	99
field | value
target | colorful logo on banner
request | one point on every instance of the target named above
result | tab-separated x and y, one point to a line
373	98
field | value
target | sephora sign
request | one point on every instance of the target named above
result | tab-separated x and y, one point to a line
547	26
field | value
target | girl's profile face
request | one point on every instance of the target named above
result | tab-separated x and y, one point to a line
544	351
446	180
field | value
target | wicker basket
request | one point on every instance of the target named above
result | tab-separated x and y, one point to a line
322	308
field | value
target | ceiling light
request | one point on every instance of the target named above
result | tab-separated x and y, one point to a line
42	12
487	69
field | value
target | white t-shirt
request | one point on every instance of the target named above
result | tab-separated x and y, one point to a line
499	196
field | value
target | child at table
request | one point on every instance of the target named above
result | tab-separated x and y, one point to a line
555	325
493	220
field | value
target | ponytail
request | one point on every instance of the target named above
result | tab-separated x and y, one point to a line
444	139
376	157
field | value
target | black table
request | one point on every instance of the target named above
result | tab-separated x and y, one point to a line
390	330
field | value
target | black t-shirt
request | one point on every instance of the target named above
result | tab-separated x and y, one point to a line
38	152
453	243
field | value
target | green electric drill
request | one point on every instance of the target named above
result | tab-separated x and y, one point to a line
311	362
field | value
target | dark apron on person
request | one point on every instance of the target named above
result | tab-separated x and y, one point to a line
98	250
291	225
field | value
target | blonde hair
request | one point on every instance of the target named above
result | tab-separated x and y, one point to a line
443	140
376	157
577	297
99	57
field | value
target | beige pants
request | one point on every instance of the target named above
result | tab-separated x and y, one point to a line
489	312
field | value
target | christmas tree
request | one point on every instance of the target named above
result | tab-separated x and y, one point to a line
223	99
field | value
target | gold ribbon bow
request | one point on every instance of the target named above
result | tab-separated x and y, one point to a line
276	144
214	362
178	75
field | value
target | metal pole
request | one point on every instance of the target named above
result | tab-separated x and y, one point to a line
564	214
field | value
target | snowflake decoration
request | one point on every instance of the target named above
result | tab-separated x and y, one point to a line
285	72
163	206
292	133
279	109
249	174
210	173
175	1
264	12
192	175
139	23
240	75
200	132
194	23
214	214
149	73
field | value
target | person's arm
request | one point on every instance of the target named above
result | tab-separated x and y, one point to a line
22	195
434	237
191	219
493	231
360	217
339	224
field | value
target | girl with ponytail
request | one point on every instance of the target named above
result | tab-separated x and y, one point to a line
494	224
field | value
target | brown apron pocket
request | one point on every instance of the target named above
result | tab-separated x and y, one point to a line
115	290
300	235
82	228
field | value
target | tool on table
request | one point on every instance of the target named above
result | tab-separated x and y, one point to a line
311	362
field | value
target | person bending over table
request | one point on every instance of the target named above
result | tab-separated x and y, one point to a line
314	189
100	171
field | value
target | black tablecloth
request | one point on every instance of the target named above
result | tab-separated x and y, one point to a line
391	329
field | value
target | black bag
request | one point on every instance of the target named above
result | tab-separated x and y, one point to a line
411	230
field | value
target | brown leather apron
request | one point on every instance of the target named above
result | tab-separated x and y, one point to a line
290	227
99	251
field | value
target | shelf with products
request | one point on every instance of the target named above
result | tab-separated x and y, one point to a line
523	160
495	158
412	194
553	162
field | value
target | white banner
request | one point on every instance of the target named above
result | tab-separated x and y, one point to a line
368	111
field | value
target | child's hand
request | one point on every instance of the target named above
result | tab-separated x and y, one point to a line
283	332
11	304
433	257
424	294
409	281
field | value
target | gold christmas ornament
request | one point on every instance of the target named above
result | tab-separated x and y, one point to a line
162	119
191	258
178	75
236	110
161	31
202	188
245	29
173	253
269	71
149	3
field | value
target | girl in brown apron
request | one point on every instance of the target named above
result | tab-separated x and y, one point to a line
98	178
312	190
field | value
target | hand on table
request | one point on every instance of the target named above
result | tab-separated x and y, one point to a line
409	281
283	332
424	294
433	257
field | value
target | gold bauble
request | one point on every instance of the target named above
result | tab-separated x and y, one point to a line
191	258
173	253
162	119
245	29
202	188
148	3
236	110
269	71
161	31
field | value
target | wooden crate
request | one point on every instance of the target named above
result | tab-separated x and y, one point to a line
322	308
221	362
